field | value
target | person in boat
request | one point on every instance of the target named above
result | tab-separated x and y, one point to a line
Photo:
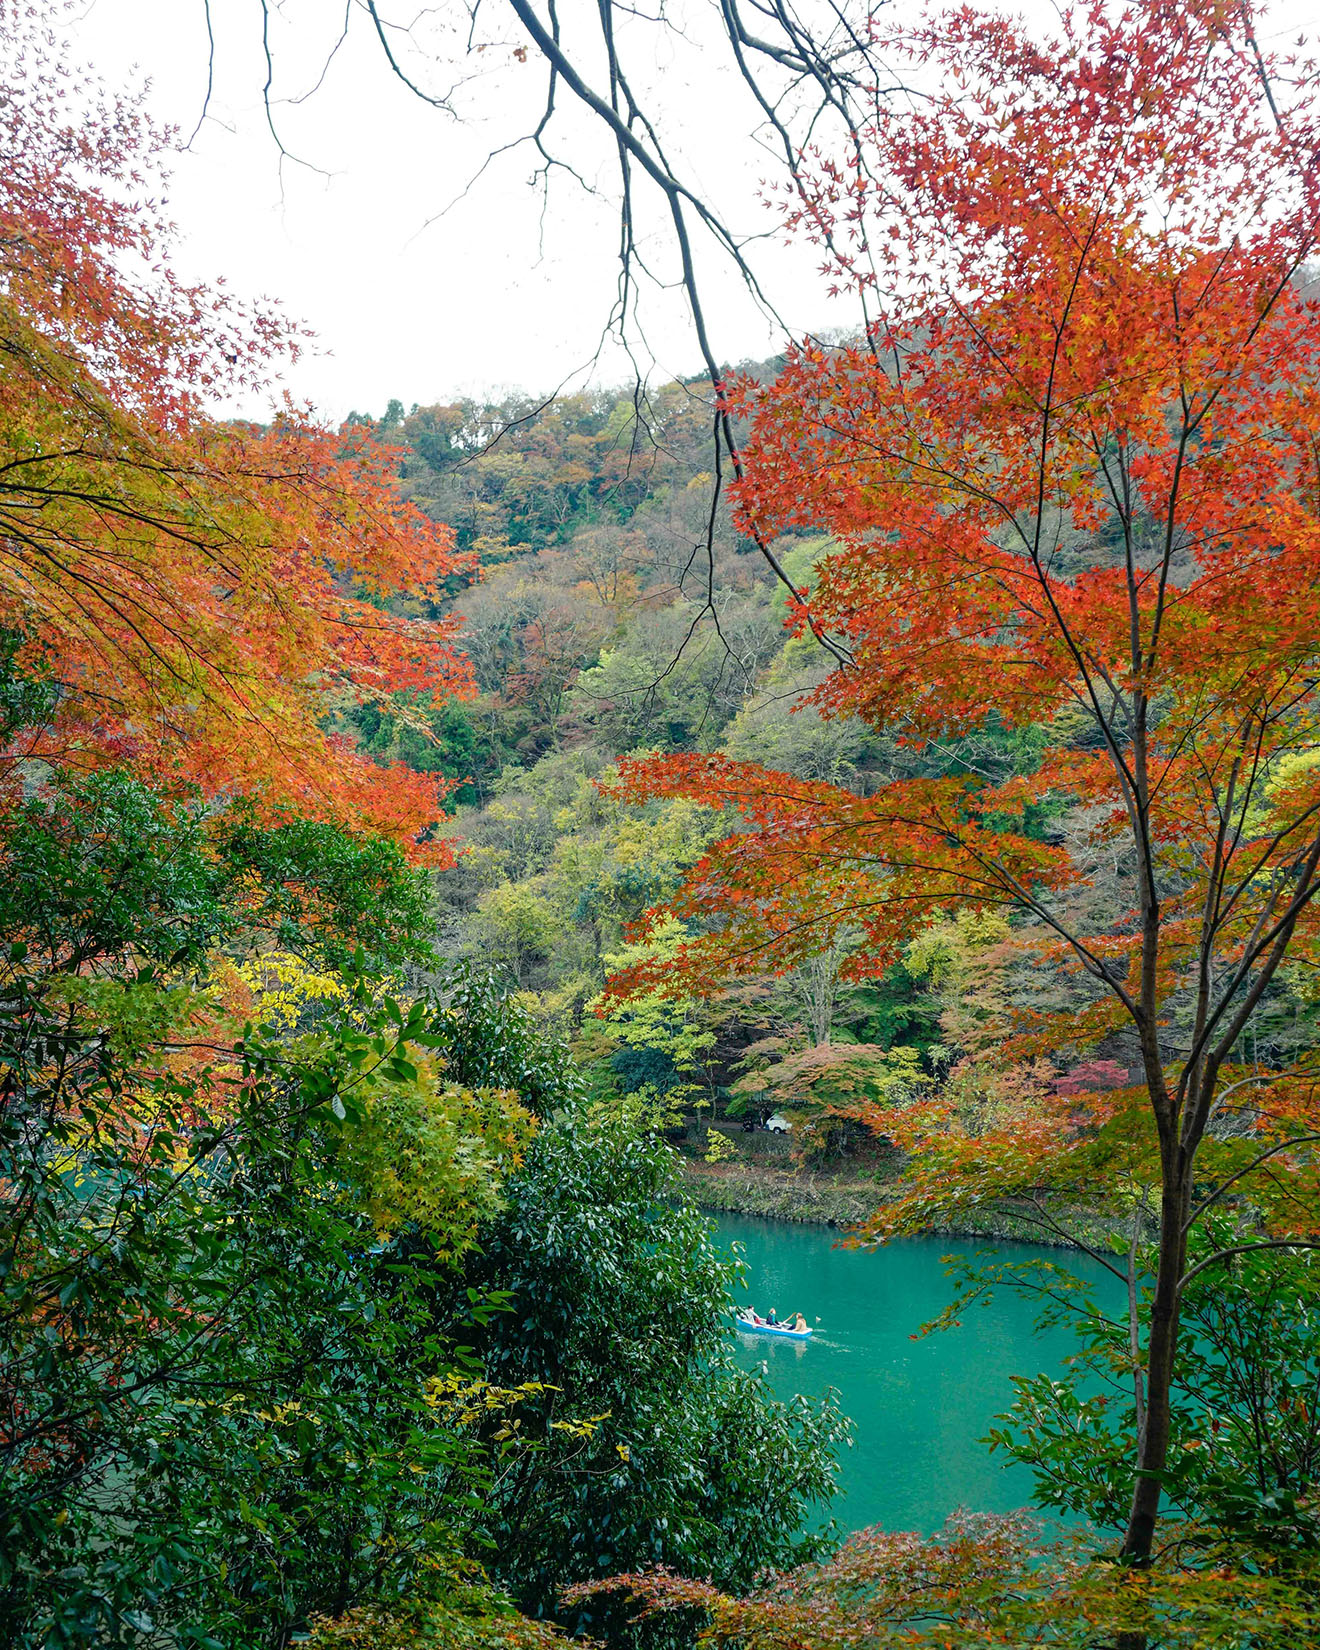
797	1324
772	1319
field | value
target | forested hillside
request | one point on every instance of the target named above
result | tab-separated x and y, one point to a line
612	614
609	616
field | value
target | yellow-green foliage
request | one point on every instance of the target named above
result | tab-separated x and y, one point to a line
288	993
414	1147
645	1109
946	951
1287	770
666	1024
719	1148
430	1152
475	1404
965	960
612	849
518	924
464	1617
133	1015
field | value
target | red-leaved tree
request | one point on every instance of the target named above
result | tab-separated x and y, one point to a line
1073	476
200	597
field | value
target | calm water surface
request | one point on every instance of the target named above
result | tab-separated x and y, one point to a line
919	1407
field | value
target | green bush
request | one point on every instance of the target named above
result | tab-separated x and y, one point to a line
620	1305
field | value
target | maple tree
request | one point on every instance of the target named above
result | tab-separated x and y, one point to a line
199	596
983	1580
1071	472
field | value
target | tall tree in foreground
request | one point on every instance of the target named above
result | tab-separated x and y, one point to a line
1074	475
198	596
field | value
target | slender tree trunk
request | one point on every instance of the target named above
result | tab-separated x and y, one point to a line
1161	1352
1162	1347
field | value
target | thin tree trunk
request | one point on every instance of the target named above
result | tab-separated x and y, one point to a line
1161	1352
1162	1347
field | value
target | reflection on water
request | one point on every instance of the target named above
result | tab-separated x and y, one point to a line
919	1405
750	1339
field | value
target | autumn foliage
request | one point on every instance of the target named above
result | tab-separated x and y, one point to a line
1074	462
1071	475
982	1581
200	595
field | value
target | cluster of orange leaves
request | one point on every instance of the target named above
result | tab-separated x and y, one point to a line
1086	257
203	596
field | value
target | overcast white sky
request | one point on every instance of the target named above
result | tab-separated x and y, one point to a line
493	294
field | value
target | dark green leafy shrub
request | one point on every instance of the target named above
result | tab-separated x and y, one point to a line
621	1307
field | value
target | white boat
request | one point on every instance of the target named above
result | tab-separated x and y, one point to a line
749	1327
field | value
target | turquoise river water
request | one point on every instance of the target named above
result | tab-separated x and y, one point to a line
919	1407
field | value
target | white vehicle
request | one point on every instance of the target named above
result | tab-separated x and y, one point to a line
778	1124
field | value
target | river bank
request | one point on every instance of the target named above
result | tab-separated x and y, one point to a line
813	1199
780	1194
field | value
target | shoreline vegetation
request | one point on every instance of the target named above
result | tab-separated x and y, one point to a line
814	1198
799	1196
